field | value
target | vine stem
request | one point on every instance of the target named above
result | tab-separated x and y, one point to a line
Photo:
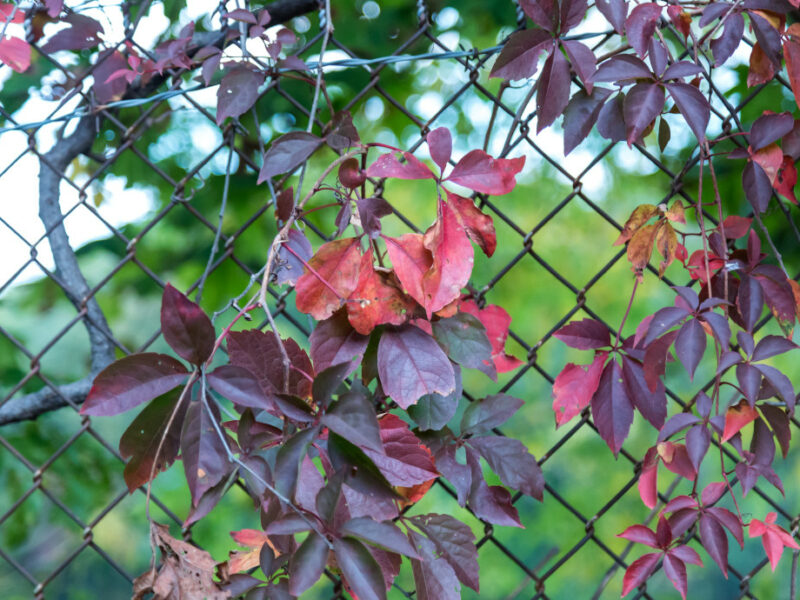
627	312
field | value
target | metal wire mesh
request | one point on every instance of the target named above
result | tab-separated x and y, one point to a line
573	533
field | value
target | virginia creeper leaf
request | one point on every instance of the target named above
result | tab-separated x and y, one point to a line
186	328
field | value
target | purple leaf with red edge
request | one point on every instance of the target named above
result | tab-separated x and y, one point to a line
440	144
433	576
580	116
693	106
640	534
728	41
611	407
514	465
205	460
388	165
307	563
519	58
237	93
583	61
259	352
584	335
361	571
675	571
690	345
641	25
651	404
334	341
186	328
131	380
287	153
639	571
143	438
83	32
621	68
615	12
643	104
480	172
454	542
574	387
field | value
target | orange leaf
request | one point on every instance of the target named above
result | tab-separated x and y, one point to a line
761	68
335	275
641	246
641	215
737	417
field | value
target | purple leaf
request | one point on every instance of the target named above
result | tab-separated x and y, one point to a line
730	521
237	93
770	128
749	379
611	121
492	504
621	68
689	295
745	342
641	25
675	571
353	417
657	56
714	11
680	69
779	422
341	134
640	534
749	301
676	423
131	380
259	353
404	461
289	266
186	327
433	576
772	345
484	415
143	438
767	36
690	345
370	211
781	383
728	41
327	382
572	12
289	458
693	106
652	404
697	440
360	569
687	554
719	326
205	460
384	535
307	563
434	411
553	95
108	64
287	153
580	116
454	542
240	386
757	186
655	359
584	335
440	144
411	364
664	319
83	32
514	465
643	104
611	408
463	338
334	341
615	12
544	13
583	61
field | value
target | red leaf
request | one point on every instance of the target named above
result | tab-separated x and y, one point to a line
335	266
574	387
440	144
737	417
7	9
478	226
15	53
786	179
736	227
107	64
480	172
639	571
648	480
675	571
773	536
762	69
496	321
640	535
411	260
132	380
388	165
186	328
375	302
411	364
612	410
237	93
791	52
404	461
452	260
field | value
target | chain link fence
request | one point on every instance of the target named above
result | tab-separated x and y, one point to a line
51	536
